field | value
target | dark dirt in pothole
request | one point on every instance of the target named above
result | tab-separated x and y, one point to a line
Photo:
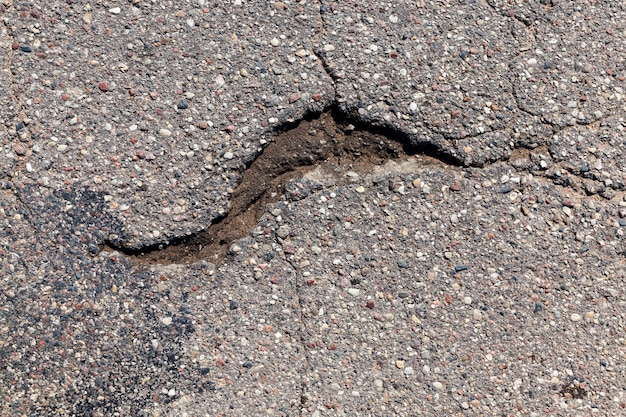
325	141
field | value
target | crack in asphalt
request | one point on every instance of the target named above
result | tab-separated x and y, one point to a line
329	69
297	286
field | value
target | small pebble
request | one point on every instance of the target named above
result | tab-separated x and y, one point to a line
575	317
437	385
354	291
283	232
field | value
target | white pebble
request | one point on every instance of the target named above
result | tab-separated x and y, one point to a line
167	320
283	232
575	317
115	10
437	385
354	291
467	300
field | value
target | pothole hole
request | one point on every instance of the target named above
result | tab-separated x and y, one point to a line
327	143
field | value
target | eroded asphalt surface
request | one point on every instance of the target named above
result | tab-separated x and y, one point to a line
486	278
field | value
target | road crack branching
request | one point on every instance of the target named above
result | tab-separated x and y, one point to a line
335	141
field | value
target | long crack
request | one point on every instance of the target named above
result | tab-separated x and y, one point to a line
330	143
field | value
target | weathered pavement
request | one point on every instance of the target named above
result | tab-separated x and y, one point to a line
479	271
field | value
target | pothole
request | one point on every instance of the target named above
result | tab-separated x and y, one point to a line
326	147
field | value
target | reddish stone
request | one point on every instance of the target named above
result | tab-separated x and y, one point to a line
103	86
